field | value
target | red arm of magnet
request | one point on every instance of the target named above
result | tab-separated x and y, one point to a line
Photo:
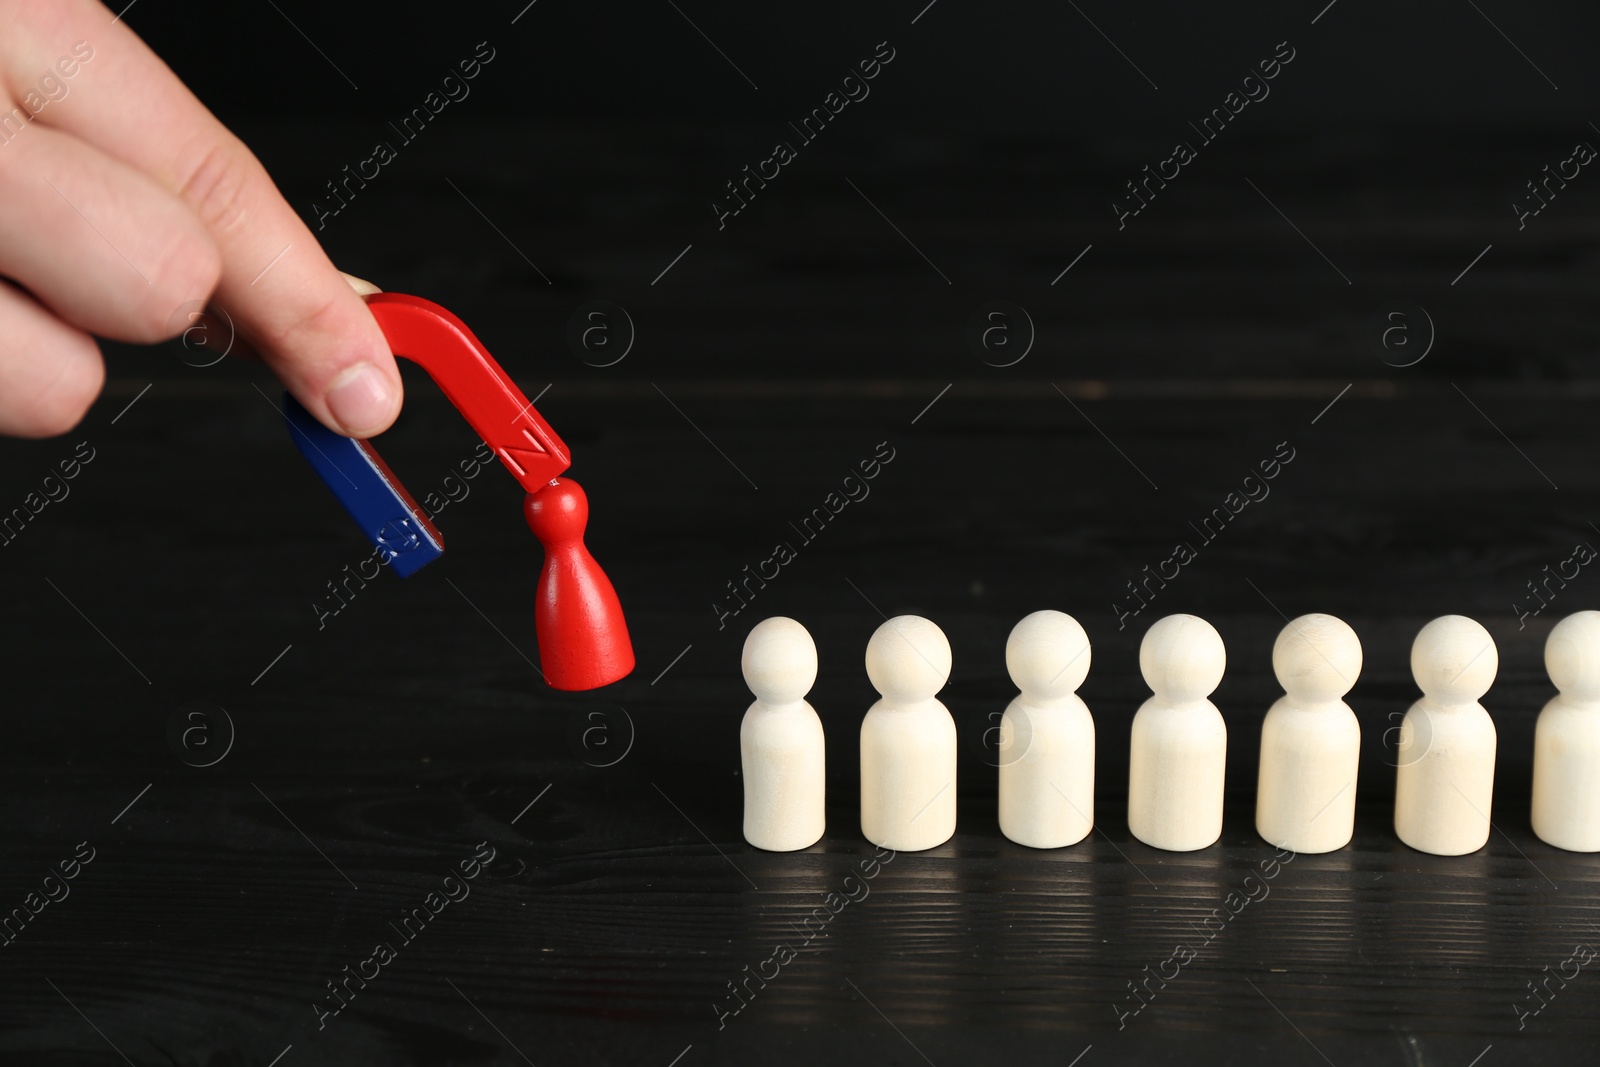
470	379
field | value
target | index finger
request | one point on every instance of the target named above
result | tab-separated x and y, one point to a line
280	288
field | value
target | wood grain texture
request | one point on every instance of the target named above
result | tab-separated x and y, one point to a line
384	746
624	900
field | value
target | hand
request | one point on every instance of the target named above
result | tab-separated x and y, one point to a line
122	200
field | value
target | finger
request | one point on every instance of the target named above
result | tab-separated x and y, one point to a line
213	331
49	372
287	299
102	245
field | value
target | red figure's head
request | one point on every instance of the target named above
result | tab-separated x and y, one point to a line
558	513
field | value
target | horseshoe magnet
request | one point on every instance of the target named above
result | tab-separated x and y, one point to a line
583	637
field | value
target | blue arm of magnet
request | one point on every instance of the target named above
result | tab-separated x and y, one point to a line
369	491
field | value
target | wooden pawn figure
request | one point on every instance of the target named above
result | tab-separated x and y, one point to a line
1178	756
1566	742
781	741
1310	739
908	739
1444	778
1047	735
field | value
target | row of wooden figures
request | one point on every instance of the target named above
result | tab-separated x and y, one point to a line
1310	739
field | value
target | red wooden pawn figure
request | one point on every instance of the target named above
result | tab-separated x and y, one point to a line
583	638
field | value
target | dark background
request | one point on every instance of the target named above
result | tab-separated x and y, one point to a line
770	357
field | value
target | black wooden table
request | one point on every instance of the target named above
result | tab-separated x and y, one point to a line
308	828
267	801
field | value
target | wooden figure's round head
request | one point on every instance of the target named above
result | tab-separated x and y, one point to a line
557	513
1182	659
1317	658
1047	655
908	660
779	661
1454	660
1572	656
